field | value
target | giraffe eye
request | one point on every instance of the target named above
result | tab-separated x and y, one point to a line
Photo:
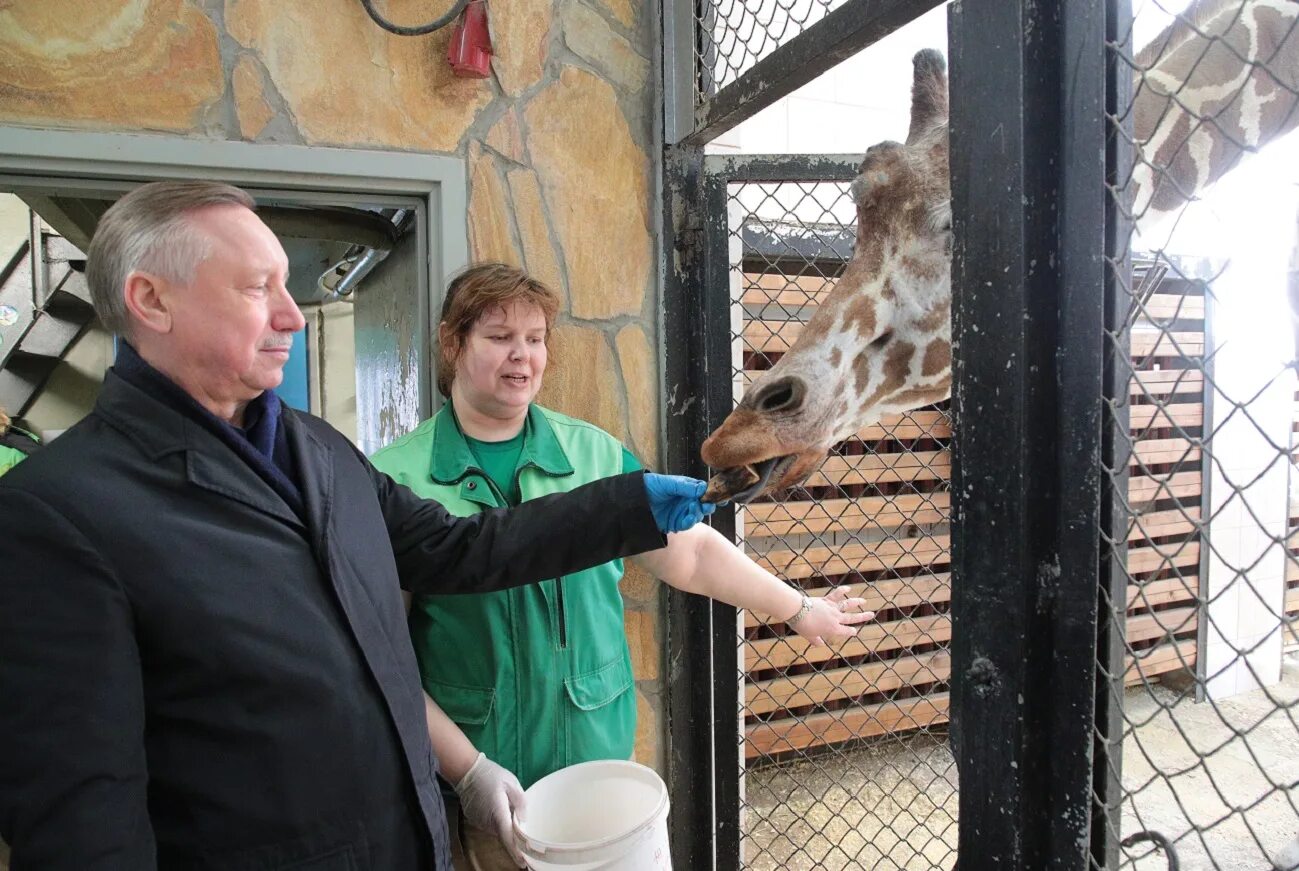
881	340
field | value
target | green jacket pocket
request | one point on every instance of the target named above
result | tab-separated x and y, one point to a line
600	687
465	705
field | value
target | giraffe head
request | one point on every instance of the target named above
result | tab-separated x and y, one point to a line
881	341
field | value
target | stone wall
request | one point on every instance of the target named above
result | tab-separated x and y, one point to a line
557	147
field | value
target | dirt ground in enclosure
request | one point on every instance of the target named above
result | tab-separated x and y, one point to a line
1194	772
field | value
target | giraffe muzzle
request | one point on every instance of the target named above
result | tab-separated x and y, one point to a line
742	484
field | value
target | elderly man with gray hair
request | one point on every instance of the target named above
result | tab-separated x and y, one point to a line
204	661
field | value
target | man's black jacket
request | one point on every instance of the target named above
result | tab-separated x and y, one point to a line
194	676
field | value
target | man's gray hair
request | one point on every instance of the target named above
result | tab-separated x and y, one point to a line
149	230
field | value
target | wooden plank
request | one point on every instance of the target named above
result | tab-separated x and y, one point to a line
1158	343
780	335
1163	557
1152	452
819	687
1143	417
1153	594
875	638
937	590
769	336
924	423
1161	382
858	557
894	593
913	425
875	468
1161	524
1174	306
761	288
1160	660
1292	601
1162	624
1147	488
834	727
847	515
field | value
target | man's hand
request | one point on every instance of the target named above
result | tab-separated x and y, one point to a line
488	793
674	501
822	618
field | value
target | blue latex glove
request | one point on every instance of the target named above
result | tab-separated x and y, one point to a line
674	501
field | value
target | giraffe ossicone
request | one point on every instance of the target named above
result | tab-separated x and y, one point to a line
1208	90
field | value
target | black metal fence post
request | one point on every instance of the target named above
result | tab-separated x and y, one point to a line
1107	763
702	667
1027	162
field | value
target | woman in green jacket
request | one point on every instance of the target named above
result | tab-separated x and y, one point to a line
527	681
15	443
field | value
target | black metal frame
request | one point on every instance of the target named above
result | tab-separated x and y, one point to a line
1028	81
1030	286
845	31
1116	448
702	703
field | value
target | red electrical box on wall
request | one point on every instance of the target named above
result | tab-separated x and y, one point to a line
470	51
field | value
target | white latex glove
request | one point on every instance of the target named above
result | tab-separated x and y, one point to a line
488	794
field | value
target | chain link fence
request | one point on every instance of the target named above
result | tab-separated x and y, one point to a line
1196	666
733	35
846	763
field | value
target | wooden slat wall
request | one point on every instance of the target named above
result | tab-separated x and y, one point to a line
874	517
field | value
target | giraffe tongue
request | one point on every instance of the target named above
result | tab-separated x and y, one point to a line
741	483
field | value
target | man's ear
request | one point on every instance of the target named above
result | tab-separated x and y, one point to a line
148	302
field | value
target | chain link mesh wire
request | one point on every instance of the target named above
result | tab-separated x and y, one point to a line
1202	747
844	749
733	35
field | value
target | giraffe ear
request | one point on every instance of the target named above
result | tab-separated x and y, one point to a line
928	93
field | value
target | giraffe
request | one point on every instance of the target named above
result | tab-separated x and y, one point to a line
880	342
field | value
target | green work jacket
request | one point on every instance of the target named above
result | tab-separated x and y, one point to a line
10	457
538	677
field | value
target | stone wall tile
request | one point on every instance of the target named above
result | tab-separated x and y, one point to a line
581	380
592	39
640	374
520	34
588	160
648	728
490	233
143	65
534	232
253	111
642	639
348	82
621	10
638	585
505	138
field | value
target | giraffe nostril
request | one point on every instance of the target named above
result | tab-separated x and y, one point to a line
782	395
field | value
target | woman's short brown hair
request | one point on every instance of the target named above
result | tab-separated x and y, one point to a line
473	293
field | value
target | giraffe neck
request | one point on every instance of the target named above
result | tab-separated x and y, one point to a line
1211	96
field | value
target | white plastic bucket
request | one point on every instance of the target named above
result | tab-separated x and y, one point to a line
603	815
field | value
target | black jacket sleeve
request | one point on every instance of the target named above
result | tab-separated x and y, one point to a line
72	762
509	547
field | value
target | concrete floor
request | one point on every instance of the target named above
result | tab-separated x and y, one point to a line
893	806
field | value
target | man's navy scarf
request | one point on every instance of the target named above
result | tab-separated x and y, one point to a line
261	442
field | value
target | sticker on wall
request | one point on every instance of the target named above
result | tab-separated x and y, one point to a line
8	316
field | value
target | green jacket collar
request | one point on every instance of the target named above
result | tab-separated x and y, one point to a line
452	459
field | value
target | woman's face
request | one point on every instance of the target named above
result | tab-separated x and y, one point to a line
503	360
